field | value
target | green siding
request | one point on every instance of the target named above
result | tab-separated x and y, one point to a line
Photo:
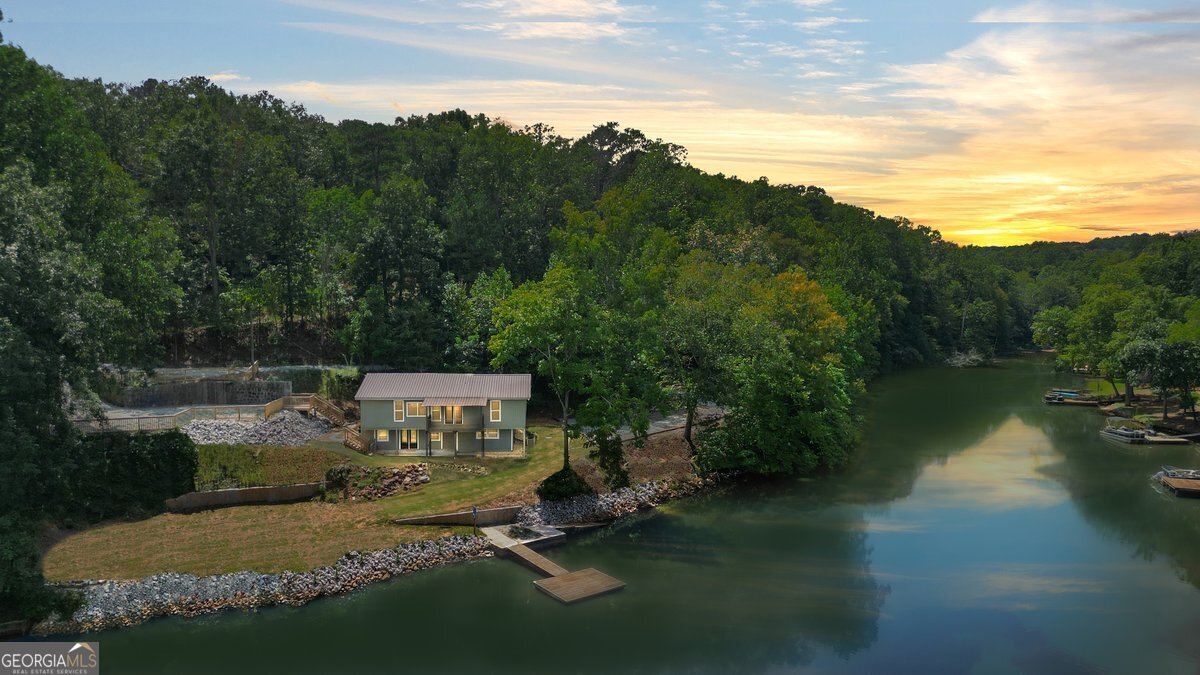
512	416
378	415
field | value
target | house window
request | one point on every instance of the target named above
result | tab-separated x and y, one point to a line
453	414
495	410
408	439
435	440
490	434
381	435
397	411
436	413
414	409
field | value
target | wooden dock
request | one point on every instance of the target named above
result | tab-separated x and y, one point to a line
561	584
538	561
576	586
1182	486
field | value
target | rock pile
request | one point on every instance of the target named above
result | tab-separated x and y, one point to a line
472	469
369	484
287	427
109	604
608	506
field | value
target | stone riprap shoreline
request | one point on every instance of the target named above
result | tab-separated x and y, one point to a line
110	604
610	505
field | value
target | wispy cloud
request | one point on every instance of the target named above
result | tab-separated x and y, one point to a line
577	9
1044	12
584	31
819	23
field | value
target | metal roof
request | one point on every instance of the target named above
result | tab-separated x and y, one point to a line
391	386
453	400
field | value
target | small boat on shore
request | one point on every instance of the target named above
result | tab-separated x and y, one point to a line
1124	434
1116	430
1068	397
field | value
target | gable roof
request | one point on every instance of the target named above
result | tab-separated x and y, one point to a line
390	386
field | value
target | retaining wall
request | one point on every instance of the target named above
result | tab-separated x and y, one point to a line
206	392
487	517
215	499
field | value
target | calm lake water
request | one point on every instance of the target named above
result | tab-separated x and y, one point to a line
978	530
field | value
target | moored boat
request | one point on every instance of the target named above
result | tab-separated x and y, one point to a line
1176	472
1124	434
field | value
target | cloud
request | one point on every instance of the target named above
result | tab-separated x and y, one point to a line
818	23
1044	12
553	30
621	68
577	9
227	76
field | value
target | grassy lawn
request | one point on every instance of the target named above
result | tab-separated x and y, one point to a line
304	535
230	466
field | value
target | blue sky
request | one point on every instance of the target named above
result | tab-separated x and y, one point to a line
993	121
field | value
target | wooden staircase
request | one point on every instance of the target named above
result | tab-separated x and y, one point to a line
310	404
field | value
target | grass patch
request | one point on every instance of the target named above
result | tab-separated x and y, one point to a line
304	535
261	538
234	466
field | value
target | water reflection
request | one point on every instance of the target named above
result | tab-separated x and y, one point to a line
1003	471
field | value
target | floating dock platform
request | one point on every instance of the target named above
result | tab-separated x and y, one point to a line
1182	486
561	584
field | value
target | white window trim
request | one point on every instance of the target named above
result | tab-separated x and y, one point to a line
436	413
419	407
382	435
437	440
399	418
495	410
489	434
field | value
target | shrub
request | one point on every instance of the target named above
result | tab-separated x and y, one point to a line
337	480
116	473
563	484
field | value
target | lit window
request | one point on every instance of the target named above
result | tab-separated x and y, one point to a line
398	411
414	409
495	410
491	434
381	435
408	439
436	413
453	414
435	440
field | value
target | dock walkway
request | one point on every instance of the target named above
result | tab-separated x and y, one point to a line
561	584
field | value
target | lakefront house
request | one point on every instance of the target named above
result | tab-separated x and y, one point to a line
443	414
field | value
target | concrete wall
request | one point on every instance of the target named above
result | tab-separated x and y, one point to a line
487	517
215	499
206	392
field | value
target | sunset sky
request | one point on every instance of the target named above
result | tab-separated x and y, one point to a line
994	122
